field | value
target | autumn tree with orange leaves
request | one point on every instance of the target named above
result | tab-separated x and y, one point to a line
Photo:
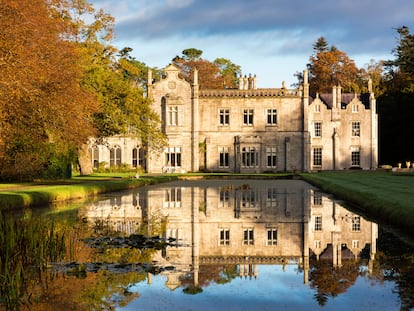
331	67
44	112
220	74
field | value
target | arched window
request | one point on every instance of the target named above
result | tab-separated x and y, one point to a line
135	157
94	156
115	156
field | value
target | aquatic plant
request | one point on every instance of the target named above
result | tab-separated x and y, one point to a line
28	245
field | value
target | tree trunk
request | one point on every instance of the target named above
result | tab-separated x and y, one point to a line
85	161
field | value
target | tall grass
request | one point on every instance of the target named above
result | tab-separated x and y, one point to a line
27	245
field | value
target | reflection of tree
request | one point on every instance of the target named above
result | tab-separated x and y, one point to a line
395	262
332	281
219	274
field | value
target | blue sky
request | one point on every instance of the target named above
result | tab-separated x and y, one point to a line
270	38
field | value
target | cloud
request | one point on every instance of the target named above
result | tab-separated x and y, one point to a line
259	29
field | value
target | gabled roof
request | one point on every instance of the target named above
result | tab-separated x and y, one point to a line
346	98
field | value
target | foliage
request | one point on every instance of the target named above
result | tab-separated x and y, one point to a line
221	73
331	67
396	104
44	111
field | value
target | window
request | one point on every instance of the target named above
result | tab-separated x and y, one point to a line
248	117
172	115
354	108
94	155
115	158
173	157
249	198
318	244
317	108
224	237
356	224
317	126
318	223
272	236
271	197
248	237
250	157
355	156
317	156
224	198
134	157
355	243
224	116
356	130
271	157
224	157
172	197
317	198
271	116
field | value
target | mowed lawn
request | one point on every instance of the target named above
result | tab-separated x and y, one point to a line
387	196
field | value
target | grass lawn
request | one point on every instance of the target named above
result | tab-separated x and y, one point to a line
386	196
17	195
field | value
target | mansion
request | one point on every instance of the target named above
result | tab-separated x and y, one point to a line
251	130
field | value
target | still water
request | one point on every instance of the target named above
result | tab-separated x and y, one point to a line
228	245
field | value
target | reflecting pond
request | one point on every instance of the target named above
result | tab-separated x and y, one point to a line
223	245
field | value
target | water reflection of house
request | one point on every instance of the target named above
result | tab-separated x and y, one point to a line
263	222
123	213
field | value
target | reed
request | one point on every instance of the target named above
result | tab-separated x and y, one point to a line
27	245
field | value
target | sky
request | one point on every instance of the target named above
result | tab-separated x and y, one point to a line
269	38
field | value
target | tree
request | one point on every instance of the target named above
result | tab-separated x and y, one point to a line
321	45
330	67
221	73
229	72
44	113
396	126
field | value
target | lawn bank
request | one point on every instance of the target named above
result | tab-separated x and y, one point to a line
47	192
386	196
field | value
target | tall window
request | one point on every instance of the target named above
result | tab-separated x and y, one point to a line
354	108
356	223
272	236
248	237
224	198
134	157
249	198
317	156
94	154
356	129
317	126
317	108
271	157
224	116
173	157
271	200
271	116
355	156
224	157
248	117
318	223
115	158
224	237
250	157
172	115
317	198
172	197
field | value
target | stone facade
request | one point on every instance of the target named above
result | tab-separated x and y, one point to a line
250	130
